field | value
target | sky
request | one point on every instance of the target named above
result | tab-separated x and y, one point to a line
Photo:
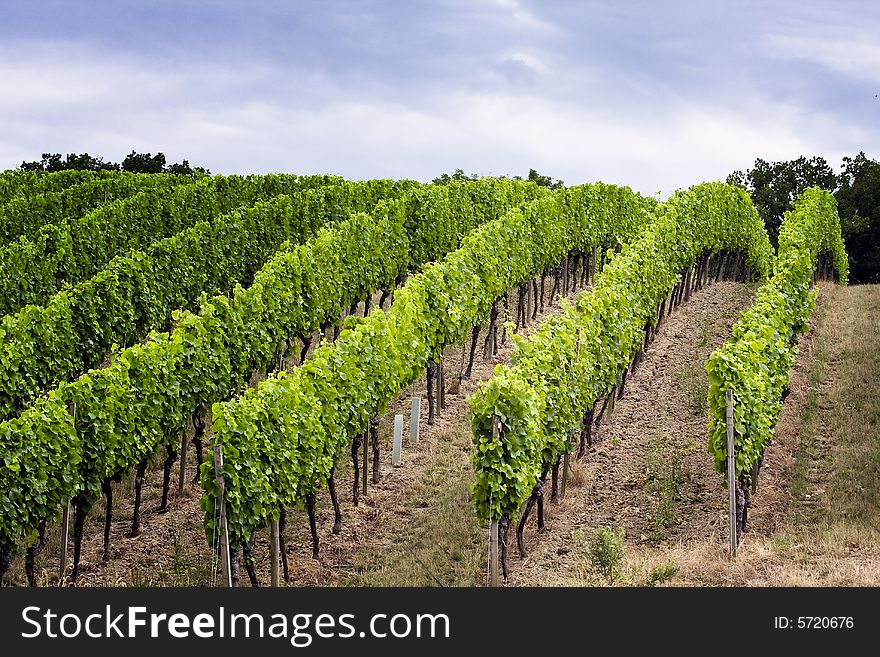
658	95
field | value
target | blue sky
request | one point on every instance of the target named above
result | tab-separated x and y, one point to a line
656	95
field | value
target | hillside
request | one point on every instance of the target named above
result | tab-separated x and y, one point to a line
814	518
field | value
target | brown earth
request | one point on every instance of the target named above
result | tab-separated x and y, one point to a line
648	472
658	428
171	548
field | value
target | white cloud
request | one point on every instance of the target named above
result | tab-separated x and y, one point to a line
255	118
76	79
532	62
525	18
852	56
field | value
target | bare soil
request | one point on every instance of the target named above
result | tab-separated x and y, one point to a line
397	533
171	549
661	418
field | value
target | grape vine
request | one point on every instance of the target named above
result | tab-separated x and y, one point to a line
40	346
557	375
756	361
144	398
32	184
26	214
281	440
35	268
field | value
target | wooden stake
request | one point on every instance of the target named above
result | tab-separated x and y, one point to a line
65	516
366	461
275	552
183	444
494	574
441	385
565	276
429	376
529	303
65	533
731	477
225	563
565	468
593	267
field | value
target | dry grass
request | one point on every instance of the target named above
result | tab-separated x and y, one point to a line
577	473
830	535
850	406
838	554
818	520
444	543
833	530
815	520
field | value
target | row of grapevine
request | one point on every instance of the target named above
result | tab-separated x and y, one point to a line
574	360
31	184
281	441
755	362
36	267
144	398
25	215
44	345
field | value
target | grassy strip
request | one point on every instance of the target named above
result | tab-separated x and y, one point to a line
442	546
806	450
849	407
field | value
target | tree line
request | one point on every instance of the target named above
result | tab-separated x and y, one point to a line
534	176
134	163
774	185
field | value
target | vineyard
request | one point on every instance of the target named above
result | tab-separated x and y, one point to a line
245	344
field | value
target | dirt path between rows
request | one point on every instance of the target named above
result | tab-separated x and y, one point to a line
649	471
663	409
417	525
171	550
651	475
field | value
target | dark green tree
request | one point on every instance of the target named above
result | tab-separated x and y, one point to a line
86	162
134	162
534	176
545	181
773	186
78	162
144	163
184	169
858	204
458	174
